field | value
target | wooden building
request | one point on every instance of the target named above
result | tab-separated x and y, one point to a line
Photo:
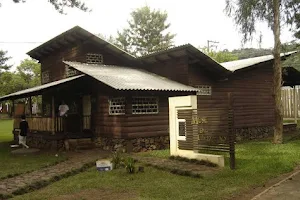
119	101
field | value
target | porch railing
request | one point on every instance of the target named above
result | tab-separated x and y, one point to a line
45	124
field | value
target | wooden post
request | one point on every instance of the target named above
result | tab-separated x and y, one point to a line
30	106
295	105
231	133
13	109
53	115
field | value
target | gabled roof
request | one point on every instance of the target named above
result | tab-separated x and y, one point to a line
244	63
73	36
34	90
196	56
127	78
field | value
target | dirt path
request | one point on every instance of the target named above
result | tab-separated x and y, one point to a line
175	165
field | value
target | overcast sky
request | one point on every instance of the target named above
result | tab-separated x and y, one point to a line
27	25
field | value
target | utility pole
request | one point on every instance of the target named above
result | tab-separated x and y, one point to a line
208	44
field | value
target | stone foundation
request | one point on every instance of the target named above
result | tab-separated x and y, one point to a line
253	133
133	145
41	143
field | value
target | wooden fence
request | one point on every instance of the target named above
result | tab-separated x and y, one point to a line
291	102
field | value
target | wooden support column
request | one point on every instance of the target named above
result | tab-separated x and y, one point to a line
13	109
30	106
295	105
53	115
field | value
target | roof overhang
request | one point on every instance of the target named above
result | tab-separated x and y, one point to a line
38	89
237	65
76	35
195	57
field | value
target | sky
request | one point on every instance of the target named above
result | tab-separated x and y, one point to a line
25	26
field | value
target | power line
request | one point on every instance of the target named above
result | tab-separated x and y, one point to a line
2	42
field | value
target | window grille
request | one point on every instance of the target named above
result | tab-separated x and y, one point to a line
45	77
93	58
144	105
117	106
203	90
70	71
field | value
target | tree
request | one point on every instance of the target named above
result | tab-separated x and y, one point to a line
220	56
27	75
109	38
246	14
60	5
147	32
3	61
251	52
30	72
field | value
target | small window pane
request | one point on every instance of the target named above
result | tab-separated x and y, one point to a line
93	58
45	77
203	90
117	106
144	105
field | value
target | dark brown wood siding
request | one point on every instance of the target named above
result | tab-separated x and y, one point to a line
252	92
175	69
78	53
132	125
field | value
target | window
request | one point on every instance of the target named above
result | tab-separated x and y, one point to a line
93	58
181	129
144	105
45	77
70	71
203	90
117	106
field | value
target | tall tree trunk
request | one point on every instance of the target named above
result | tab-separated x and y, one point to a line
277	82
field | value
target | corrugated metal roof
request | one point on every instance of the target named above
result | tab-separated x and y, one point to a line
125	78
38	88
240	64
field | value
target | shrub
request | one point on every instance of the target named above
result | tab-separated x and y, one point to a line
116	160
130	165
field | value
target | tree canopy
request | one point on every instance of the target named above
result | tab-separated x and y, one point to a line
246	14
26	75
147	32
60	5
220	56
3	61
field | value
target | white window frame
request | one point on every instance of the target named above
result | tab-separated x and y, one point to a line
204	90
134	110
45	77
116	106
94	58
179	137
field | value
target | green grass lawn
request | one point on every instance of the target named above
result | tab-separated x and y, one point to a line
6	127
257	162
14	164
